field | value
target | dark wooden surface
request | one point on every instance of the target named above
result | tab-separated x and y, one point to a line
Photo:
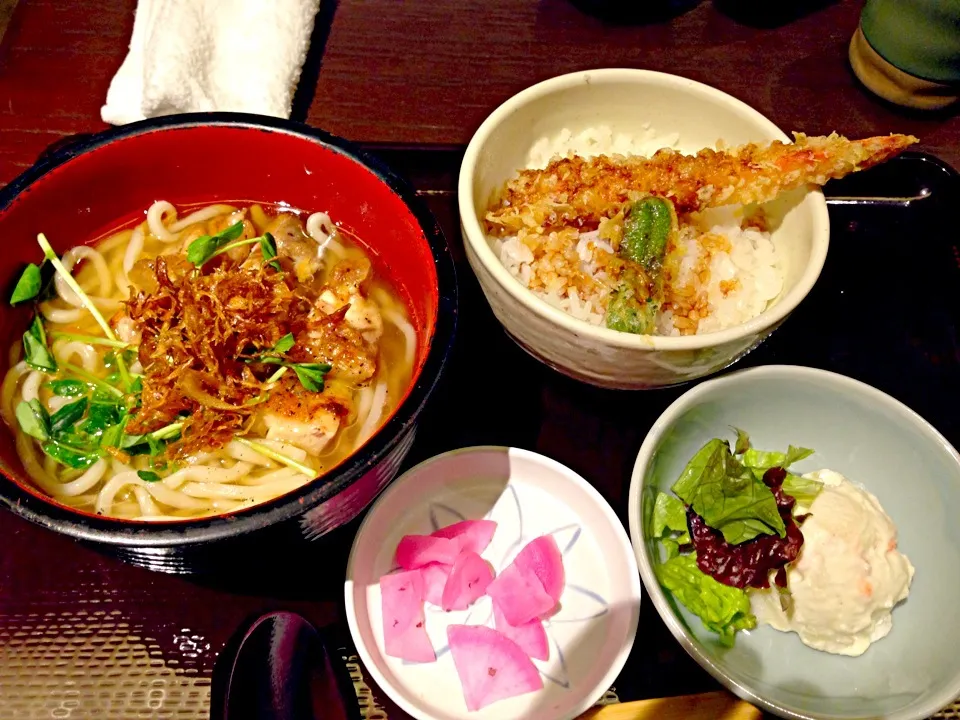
429	71
410	71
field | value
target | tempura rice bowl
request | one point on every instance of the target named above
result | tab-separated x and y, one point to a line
615	111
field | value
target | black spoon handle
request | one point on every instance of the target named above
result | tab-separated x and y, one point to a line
279	667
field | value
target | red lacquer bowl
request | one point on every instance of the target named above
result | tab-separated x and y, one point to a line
94	184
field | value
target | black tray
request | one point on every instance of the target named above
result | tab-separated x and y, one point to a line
885	310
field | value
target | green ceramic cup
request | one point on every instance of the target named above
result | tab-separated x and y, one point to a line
920	37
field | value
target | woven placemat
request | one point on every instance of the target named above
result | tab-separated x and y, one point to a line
95	664
950	713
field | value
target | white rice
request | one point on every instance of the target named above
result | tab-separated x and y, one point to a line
751	266
599	140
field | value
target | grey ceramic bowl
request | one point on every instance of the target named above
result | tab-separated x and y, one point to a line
873	440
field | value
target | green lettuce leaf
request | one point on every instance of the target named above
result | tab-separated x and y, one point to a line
668	514
764	460
728	496
743	442
722	609
803	490
671	548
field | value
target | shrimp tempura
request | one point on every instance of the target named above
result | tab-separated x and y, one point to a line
579	192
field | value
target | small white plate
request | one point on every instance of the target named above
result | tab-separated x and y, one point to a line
528	495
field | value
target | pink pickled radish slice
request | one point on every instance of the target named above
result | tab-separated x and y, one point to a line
491	666
542	558
434	579
520	595
404	629
468	581
531	637
473	535
415	551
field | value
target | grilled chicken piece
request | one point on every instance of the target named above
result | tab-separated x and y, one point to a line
306	419
344	290
293	243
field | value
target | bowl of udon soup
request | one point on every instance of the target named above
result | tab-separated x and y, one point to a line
224	328
634	229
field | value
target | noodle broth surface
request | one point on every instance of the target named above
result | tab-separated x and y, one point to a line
344	315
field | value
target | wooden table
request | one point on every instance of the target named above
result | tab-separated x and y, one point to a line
416	71
429	71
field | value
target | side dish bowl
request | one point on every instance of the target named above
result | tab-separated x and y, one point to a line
94	184
628	101
873	440
527	495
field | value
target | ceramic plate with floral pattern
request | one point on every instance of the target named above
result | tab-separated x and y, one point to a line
589	635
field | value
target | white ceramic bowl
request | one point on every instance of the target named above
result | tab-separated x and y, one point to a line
628	100
528	495
873	440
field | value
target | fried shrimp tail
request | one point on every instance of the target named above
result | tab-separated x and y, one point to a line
574	191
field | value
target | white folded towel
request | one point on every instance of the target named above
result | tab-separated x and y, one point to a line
211	55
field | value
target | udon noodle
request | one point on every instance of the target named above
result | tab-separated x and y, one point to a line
243	351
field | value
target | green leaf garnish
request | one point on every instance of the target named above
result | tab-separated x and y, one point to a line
92	379
728	496
279	457
113	358
148	476
36	352
206	246
33	419
201	249
28	286
73	457
106	410
268	247
68	387
311	375
50	255
723	609
154	443
90	339
67	416
168	432
284	344
277	375
112	437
